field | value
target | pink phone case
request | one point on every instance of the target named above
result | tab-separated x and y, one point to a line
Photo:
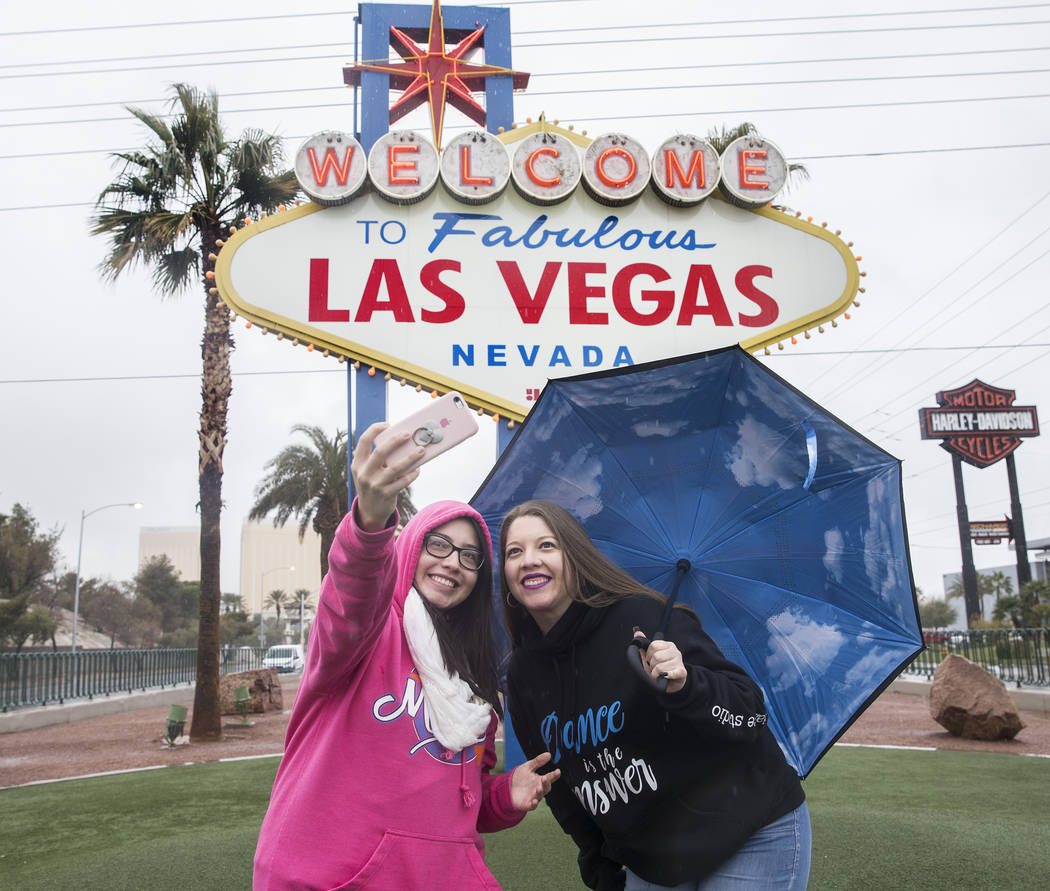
437	428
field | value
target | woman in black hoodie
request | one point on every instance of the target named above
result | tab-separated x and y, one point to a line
686	788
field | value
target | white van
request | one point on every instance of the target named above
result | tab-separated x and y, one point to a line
284	657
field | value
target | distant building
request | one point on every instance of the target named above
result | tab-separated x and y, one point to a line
181	545
266	554
1038	563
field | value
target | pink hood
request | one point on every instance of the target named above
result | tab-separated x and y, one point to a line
410	543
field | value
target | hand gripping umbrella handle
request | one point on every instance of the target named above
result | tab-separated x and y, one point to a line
641	644
635	648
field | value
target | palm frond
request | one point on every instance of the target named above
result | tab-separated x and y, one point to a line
167	227
305	481
721	137
256	150
175	269
132	239
261	192
154	122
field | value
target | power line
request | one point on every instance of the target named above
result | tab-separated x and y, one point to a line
795	18
634	40
655	115
581	73
762	63
771	62
159	377
1004	374
845	383
602	90
973	303
836	107
800	82
924	151
303	15
180	66
196	375
914	349
222	52
167	99
782	34
154	25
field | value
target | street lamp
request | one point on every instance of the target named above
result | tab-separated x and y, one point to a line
80	549
262	602
302	596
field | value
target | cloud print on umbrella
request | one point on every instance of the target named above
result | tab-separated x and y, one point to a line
792	523
796	641
762	457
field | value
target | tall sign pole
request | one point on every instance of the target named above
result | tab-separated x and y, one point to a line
971	598
980	424
1024	570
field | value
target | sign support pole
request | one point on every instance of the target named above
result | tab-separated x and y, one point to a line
969	573
1024	570
351	436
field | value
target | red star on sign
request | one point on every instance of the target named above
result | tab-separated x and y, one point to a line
435	75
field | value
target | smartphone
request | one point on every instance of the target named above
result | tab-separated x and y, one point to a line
436	427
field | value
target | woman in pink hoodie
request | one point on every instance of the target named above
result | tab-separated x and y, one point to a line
385	781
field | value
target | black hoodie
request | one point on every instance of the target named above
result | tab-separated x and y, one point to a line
669	785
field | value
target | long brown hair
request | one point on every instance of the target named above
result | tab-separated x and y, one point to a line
465	632
590	577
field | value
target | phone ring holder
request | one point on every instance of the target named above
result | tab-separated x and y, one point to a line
427	434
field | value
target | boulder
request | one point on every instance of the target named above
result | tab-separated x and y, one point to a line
969	702
263	684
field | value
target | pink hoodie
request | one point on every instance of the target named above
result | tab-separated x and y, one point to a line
365	797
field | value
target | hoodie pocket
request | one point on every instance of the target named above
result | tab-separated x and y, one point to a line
404	862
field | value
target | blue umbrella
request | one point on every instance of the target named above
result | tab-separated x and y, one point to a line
791	523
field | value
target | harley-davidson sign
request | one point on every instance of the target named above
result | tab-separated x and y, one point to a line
979	422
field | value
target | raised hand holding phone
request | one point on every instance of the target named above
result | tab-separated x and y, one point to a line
378	477
387	458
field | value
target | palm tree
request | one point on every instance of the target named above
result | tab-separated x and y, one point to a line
309	481
301	600
171	203
999	583
277	599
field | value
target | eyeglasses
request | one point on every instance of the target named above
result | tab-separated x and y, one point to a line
438	546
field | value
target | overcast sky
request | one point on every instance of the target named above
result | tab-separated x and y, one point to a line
925	127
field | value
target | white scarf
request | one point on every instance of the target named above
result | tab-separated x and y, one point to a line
455	715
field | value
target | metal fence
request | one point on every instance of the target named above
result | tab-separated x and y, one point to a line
48	678
1019	657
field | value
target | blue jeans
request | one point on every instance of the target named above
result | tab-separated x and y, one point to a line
776	858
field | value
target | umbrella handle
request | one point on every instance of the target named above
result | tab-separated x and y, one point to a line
635	648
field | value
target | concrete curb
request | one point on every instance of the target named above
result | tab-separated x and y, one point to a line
64	713
1028	700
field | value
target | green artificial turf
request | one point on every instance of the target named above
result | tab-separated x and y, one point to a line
185	827
885	818
882	819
